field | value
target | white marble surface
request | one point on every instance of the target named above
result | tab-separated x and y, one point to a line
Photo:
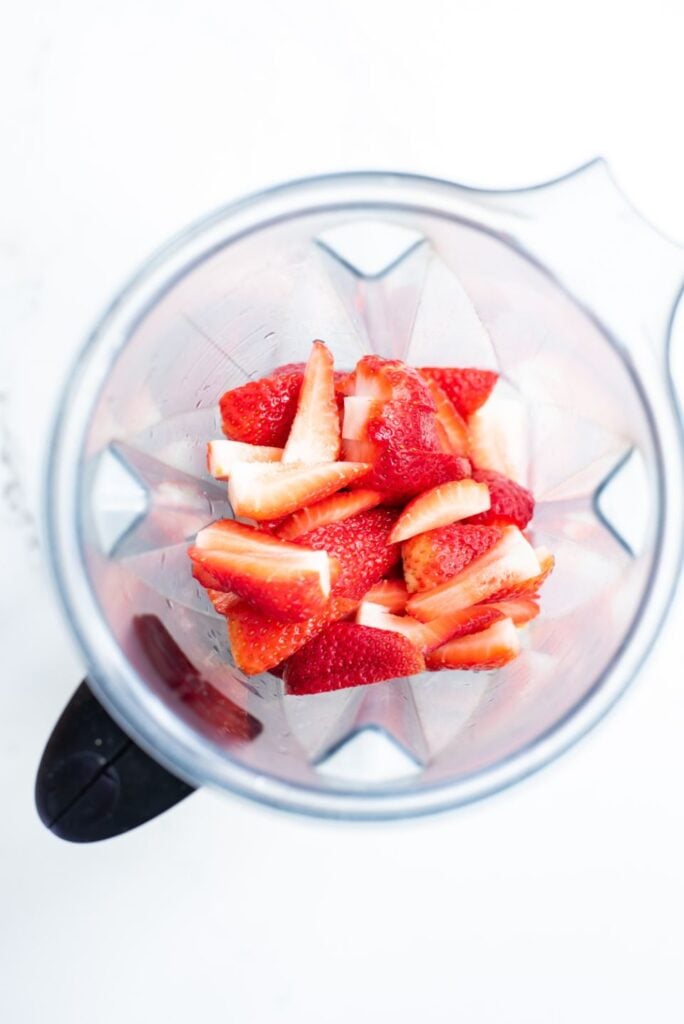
559	901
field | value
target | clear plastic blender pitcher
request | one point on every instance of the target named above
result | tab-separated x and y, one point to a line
563	288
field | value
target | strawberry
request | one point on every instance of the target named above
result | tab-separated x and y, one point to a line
429	635
259	643
432	558
221	715
392	595
361	546
330	510
371	427
480	652
346	654
405	472
268	491
315	432
509	502
441	506
285	581
388	379
222	600
222	456
528	587
467	389
520	609
510	561
451	427
262	411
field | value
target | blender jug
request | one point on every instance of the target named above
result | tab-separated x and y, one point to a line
562	288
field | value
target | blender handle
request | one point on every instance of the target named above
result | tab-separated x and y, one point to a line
94	782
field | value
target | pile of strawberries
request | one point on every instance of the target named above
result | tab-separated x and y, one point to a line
381	537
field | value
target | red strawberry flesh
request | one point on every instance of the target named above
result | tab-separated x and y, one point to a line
434	557
467	389
509	502
346	654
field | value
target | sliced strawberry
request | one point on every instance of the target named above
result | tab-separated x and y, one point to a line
392	595
222	456
361	546
529	587
520	609
370	428
510	561
492	648
451	427
259	643
346	654
389	379
509	502
467	389
315	432
433	558
429	635
401	474
268	491
285	581
214	709
222	600
358	410
441	506
262	411
345	382
330	510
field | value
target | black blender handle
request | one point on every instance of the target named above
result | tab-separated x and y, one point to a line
94	782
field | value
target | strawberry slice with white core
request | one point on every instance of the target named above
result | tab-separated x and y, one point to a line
510	561
223	455
451	427
427	636
375	615
480	652
315	432
530	586
499	437
357	411
269	491
331	510
285	581
391	594
520	609
441	506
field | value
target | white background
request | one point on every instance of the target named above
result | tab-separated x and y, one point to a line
558	901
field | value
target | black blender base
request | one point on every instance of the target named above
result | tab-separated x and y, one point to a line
93	781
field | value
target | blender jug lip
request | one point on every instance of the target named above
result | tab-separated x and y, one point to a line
125	695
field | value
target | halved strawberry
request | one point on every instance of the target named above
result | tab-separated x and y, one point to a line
509	502
371	428
330	510
259	643
315	432
222	456
262	411
285	581
402	473
510	561
520	609
434	557
480	652
529	587
361	547
346	654
429	635
451	427
389	379
441	506
268	491
392	595
466	388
